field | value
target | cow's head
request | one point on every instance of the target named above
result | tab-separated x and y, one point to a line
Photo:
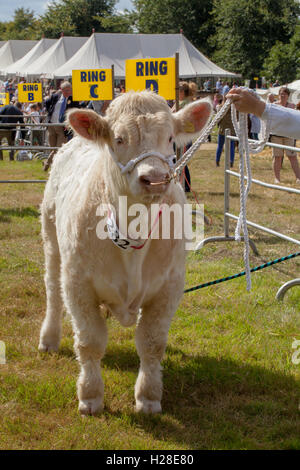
142	124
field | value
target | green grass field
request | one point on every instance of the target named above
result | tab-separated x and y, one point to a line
229	380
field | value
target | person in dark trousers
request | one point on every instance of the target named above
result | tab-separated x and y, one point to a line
56	106
186	92
7	114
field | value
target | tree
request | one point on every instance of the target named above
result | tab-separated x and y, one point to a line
117	23
75	17
171	16
283	62
23	26
247	30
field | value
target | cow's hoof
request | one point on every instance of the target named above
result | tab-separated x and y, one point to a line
48	347
90	406
147	406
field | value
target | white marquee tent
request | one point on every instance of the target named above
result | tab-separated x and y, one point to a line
13	50
295	91
57	55
17	68
105	49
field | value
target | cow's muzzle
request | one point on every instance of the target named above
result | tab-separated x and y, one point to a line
170	160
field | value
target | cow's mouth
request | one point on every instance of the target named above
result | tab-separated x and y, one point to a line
153	184
158	183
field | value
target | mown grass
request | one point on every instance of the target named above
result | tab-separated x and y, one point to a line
229	382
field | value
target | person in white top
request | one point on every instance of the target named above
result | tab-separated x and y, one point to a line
278	153
37	133
283	121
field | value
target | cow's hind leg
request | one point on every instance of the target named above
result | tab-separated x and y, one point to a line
90	342
51	329
151	340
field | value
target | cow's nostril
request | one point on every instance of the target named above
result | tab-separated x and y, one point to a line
145	180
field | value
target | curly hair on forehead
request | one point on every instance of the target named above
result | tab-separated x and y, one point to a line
132	103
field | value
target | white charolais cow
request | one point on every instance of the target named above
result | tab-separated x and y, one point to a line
90	275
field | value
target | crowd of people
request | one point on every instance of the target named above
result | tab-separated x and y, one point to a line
53	110
57	102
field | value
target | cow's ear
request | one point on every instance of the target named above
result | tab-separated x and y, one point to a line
190	120
88	124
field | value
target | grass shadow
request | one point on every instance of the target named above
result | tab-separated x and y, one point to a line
6	214
121	357
219	403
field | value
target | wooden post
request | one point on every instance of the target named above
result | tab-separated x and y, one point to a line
178	152
113	81
177	81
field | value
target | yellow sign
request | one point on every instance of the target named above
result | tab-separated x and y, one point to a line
4	99
155	74
255	78
30	92
92	85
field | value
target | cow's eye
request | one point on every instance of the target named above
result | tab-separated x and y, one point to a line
119	140
170	139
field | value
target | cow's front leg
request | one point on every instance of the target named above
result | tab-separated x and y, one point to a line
151	340
51	329
90	343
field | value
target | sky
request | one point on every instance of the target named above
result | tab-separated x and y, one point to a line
7	7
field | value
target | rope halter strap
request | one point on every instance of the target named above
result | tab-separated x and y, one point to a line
168	159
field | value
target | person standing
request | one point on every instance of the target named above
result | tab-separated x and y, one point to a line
219	87
186	91
56	107
223	124
226	89
99	106
278	153
11	114
254	126
36	132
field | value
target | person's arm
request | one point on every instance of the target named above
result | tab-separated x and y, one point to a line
48	102
283	121
246	102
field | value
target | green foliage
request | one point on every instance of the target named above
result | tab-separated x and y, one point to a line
23	26
170	16
250	37
283	62
119	23
246	30
75	17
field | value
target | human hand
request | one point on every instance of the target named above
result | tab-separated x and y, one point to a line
246	102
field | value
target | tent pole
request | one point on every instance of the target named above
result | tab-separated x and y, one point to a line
177	94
